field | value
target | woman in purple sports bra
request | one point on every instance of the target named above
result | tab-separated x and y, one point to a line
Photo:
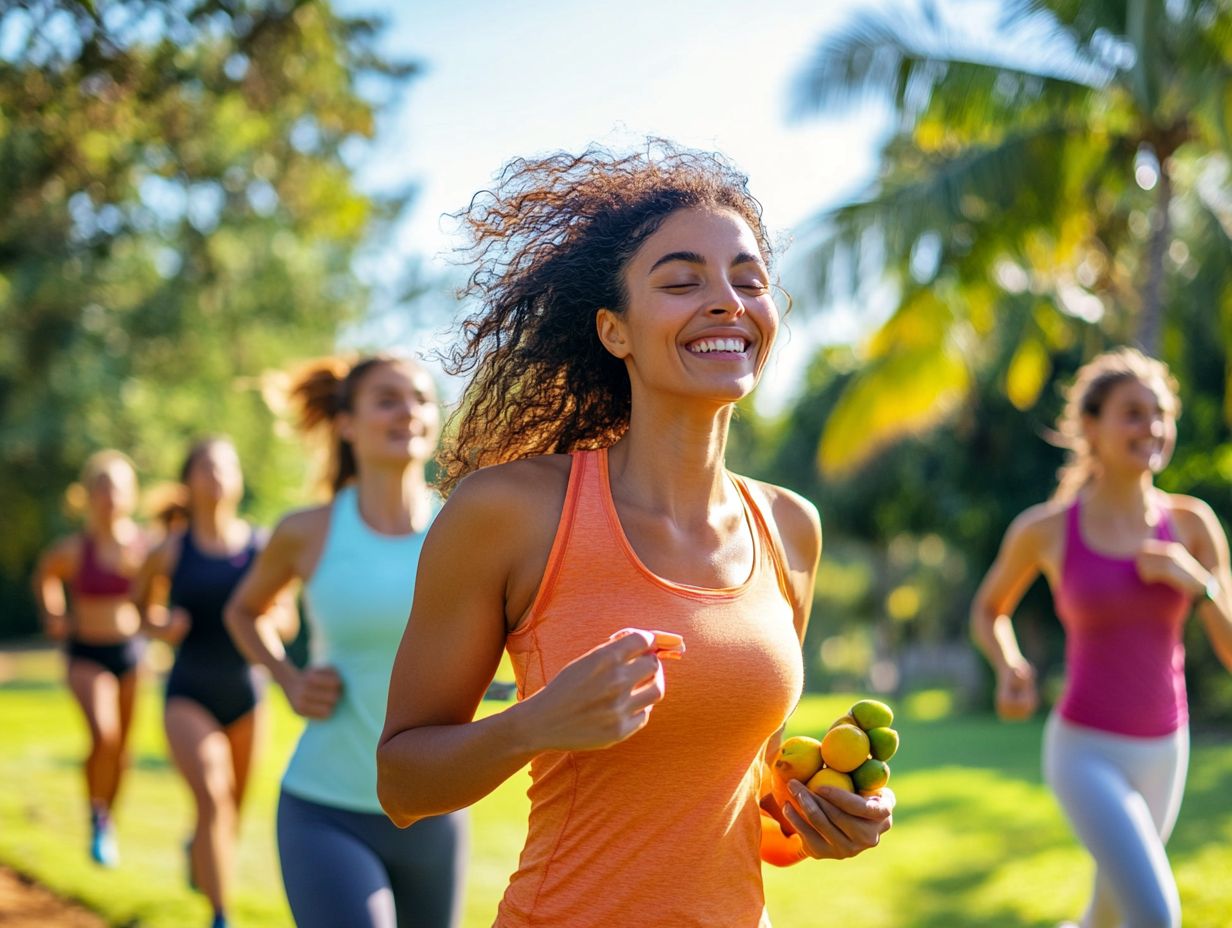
1127	564
81	585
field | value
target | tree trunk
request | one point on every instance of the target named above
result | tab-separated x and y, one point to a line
1150	318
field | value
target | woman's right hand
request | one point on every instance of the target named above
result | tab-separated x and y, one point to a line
601	698
1017	696
314	691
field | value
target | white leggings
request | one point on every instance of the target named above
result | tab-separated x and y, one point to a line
1121	795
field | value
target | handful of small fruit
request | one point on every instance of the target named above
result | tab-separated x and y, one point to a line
852	755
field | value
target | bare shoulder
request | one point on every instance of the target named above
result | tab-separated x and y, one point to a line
63	555
501	524
301	526
296	542
1041	524
1194	518
1189	507
531	489
796	519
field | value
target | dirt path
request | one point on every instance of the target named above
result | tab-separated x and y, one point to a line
24	904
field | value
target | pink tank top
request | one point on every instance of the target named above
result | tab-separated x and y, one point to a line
662	829
1125	660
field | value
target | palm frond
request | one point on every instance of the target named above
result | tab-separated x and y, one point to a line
905	58
899	394
851	243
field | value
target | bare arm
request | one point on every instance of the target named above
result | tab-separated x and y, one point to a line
833	824
1216	615
433	755
51	575
1190	566
150	589
1016	567
254	615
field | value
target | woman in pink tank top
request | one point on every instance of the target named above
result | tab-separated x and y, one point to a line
624	308
1127	565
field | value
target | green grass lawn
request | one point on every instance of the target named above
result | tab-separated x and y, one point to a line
978	840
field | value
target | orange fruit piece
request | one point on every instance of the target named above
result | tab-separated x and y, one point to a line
778	848
845	747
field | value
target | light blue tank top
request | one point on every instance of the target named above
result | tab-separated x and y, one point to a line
357	602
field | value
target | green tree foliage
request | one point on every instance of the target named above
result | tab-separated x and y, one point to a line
1067	165
178	217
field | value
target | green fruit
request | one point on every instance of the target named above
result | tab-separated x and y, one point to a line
882	742
872	774
869	713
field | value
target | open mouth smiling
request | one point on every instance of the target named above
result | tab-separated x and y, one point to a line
729	345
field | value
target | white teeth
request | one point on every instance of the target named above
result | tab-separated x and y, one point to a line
706	345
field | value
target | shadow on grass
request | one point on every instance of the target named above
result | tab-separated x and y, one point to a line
946	901
29	685
143	761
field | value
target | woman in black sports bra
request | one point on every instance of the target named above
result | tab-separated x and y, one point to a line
82	585
213	716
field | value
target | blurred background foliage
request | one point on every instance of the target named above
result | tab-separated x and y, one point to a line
179	217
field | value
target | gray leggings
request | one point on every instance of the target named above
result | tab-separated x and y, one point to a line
359	870
1122	796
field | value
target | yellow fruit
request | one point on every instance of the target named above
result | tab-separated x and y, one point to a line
869	713
798	758
872	774
843	720
882	742
844	747
828	777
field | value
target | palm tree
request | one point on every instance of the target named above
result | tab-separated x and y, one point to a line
1053	173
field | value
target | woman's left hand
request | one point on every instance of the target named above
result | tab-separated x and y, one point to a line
838	824
1170	562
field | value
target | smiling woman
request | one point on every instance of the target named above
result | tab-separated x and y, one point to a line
549	246
1127	564
626	308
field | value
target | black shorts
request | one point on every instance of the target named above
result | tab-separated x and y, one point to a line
227	693
118	659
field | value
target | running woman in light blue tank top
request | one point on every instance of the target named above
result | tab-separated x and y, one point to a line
343	861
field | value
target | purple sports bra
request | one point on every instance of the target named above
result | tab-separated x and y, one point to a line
93	579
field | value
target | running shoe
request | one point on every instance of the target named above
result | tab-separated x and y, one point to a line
220	920
103	848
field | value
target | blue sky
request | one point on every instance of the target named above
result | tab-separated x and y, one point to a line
507	79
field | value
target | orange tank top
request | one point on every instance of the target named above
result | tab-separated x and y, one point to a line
662	829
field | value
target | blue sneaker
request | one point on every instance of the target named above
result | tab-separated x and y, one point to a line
220	921
103	848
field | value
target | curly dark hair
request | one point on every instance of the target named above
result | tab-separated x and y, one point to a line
550	244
